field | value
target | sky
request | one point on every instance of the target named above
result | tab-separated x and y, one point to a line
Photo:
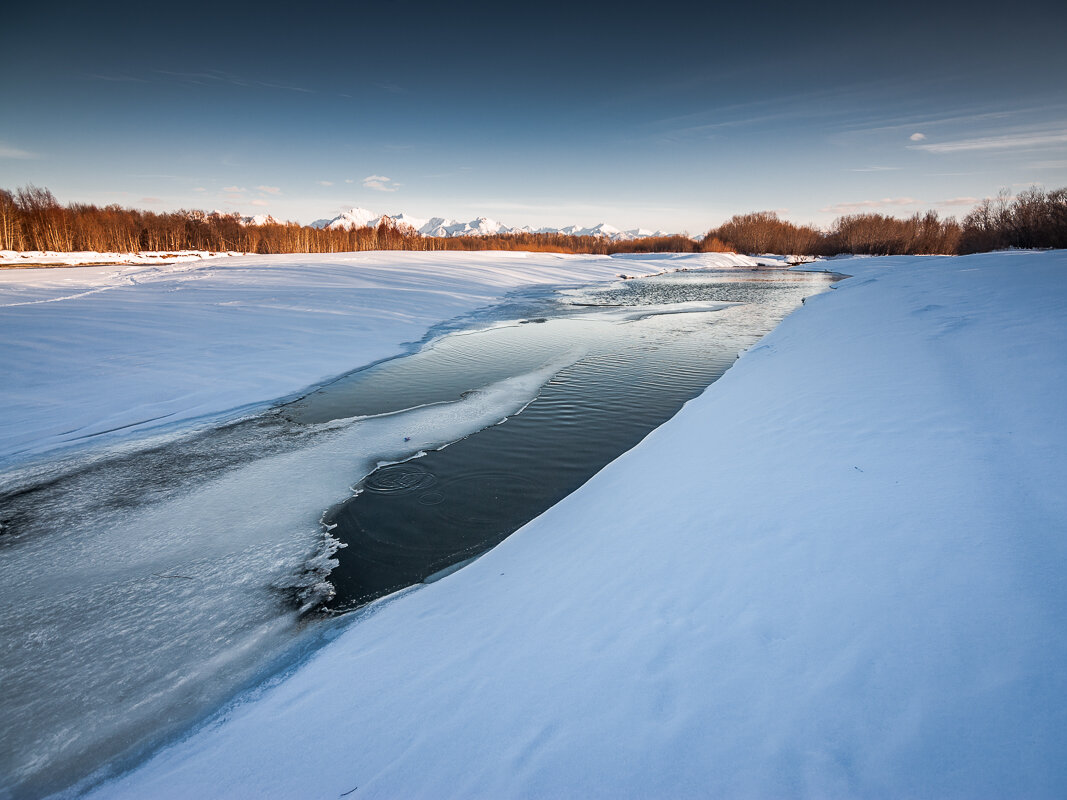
665	115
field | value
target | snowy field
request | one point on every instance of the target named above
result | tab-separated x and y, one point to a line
838	572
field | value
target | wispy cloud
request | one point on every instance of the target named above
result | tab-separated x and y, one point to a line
917	137
328	183
234	189
270	189
962	116
1010	141
202	78
7	151
817	103
259	202
115	78
209	77
874	169
380	183
199	189
349	180
867	205
958	201
835	108
285	87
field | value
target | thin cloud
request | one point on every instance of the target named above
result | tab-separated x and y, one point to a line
115	78
234	189
867	205
258	202
285	87
1011	141
926	121
328	183
7	151
201	78
269	189
815	104
199	189
917	137
380	183
874	169
349	180
217	76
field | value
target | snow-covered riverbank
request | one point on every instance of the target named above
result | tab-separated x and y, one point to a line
839	572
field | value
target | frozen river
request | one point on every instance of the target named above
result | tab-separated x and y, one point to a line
146	585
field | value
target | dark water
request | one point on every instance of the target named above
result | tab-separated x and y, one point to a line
412	521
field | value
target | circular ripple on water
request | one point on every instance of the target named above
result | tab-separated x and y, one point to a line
431	498
399	479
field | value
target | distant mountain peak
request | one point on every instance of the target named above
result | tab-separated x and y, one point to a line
445	227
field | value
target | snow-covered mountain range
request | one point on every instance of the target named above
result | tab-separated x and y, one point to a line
481	226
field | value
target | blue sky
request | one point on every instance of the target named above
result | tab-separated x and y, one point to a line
667	115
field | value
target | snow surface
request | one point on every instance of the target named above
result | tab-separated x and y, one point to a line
115	350
838	572
22	258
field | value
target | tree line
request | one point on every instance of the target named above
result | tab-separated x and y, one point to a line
1034	218
32	219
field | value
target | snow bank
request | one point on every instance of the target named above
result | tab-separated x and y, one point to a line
838	572
115	349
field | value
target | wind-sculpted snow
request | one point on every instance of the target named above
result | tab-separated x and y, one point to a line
838	572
